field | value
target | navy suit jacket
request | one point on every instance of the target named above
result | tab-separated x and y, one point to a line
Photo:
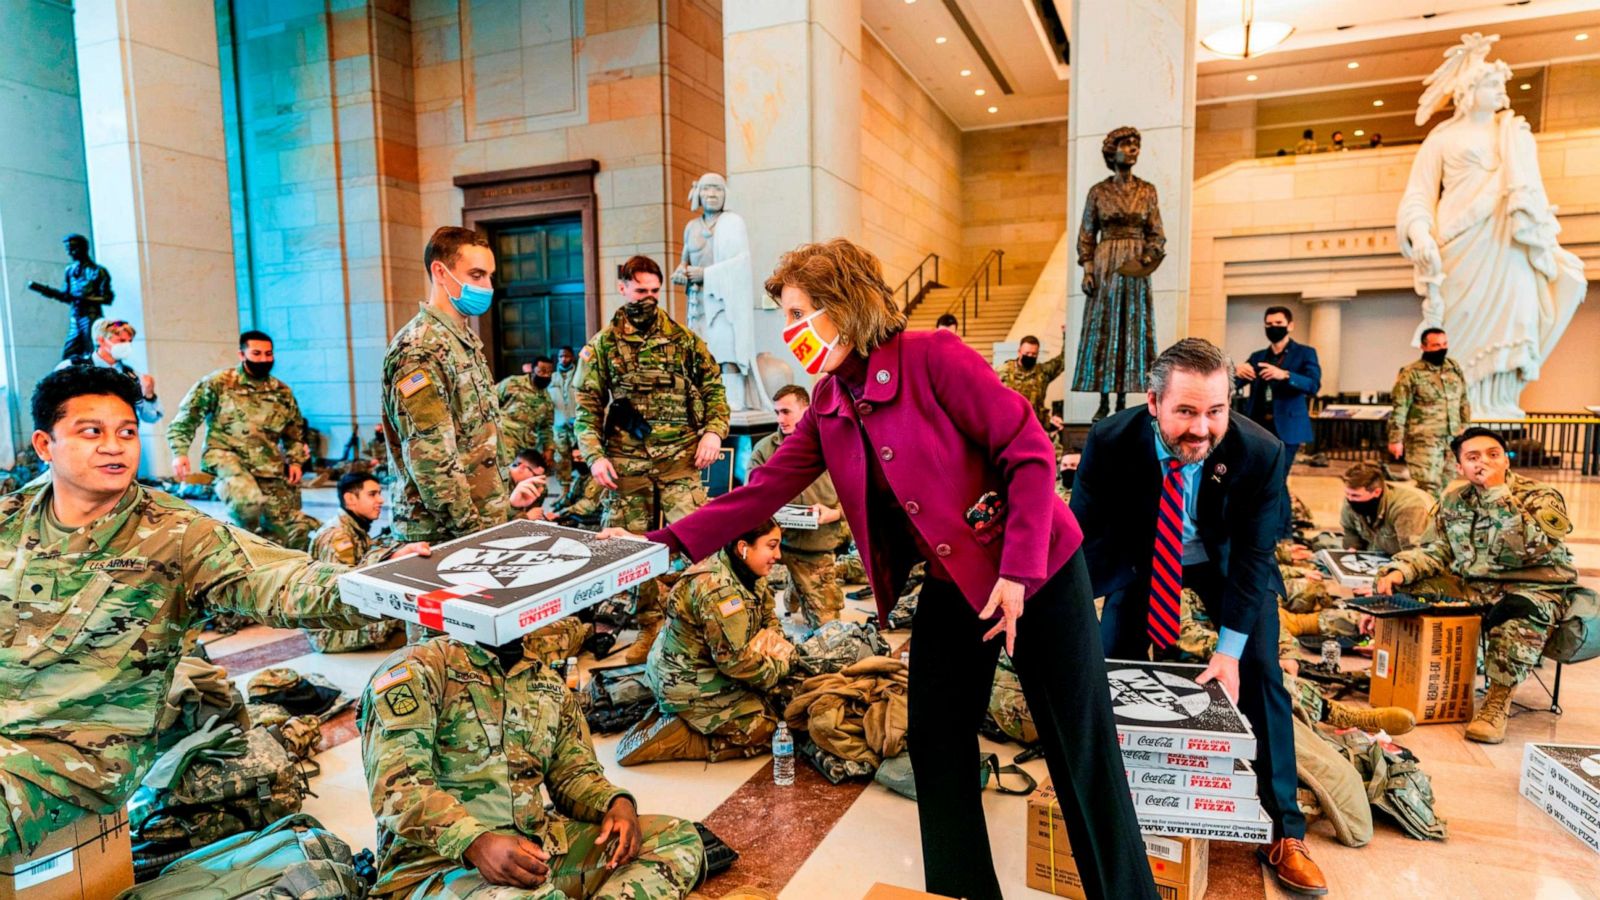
1242	502
1291	414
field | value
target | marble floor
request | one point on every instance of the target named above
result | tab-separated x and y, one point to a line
816	840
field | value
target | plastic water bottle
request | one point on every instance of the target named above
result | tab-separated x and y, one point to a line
782	756
572	673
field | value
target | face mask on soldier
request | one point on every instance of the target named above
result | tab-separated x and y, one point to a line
258	369
1367	509
541	381
1435	357
1027	362
640	313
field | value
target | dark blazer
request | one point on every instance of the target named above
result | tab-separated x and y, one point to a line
1291	414
945	431
1240	509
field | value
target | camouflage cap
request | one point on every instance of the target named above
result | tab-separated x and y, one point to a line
269	681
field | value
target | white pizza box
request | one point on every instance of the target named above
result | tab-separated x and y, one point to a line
1353	568
1571	818
1241	782
1571	769
1173	803
1158	706
1257	830
500	583
1183	762
797	516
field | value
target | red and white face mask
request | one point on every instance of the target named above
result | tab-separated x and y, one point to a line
807	345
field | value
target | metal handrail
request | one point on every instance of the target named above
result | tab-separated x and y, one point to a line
909	299
978	286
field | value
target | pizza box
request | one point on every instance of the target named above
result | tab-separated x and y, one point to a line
1352	568
1158	706
1173	803
797	516
1573	770
1244	831
1184	762
1241	782
1571	818
500	583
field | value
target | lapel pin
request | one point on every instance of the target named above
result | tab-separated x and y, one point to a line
1218	472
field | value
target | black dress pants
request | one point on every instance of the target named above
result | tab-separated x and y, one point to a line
1263	699
1062	670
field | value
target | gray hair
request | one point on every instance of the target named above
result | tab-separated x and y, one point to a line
1196	355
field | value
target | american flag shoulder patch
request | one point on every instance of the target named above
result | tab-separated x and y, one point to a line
414	382
730	606
587	353
389	679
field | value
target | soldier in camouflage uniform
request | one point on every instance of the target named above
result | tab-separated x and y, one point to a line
255	443
457	740
101	578
527	414
722	650
651	413
807	553
563	390
347	540
1382	516
1031	378
1430	408
1495	539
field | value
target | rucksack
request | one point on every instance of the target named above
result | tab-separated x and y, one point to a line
1576	636
294	857
835	645
1008	709
216	798
617	697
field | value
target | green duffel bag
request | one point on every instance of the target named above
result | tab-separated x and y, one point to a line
1576	636
294	857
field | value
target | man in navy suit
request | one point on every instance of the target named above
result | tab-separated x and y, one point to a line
1183	494
1283	377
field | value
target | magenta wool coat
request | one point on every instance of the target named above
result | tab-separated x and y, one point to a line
946	431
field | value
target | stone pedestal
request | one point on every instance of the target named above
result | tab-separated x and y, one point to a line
158	185
1326	326
1134	65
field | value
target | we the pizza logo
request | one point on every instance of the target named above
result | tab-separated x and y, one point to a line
514	562
1155	697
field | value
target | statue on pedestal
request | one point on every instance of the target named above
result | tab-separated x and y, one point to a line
1476	224
86	289
717	274
1120	243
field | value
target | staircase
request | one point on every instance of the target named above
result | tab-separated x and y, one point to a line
992	322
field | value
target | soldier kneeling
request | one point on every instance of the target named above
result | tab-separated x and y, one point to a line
721	650
457	740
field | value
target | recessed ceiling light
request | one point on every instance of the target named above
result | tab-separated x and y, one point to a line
1526	86
1251	77
940	39
1377	103
965	72
994	109
1360	133
1352	64
1581	36
980	92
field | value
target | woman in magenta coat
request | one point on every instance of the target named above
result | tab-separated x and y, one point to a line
935	461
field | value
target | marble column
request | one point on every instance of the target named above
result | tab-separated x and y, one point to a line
792	83
158	182
1133	64
1324	334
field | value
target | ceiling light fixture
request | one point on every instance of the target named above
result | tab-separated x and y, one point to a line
940	39
1352	64
1526	86
1377	103
1360	133
980	92
965	72
1249	38
1581	36
994	109
1251	77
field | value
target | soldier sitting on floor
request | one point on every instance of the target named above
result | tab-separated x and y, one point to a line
457	740
720	653
1497	538
347	540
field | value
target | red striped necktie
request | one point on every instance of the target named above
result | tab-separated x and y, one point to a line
1166	567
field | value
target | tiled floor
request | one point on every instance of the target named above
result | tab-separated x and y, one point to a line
815	840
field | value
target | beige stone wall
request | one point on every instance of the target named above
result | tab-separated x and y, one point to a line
1223	132
910	170
1014	195
1572	98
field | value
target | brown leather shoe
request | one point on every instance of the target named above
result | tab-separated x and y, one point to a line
1291	862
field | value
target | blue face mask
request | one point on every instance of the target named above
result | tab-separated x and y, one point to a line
474	300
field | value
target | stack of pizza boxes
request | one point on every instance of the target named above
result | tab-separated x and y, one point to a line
1563	780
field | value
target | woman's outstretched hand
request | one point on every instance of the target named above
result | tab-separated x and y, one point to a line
1006	598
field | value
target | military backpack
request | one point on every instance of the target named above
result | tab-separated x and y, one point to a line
292	857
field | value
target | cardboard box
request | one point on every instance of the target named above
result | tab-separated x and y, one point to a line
1180	865
1241	782
91	859
1159	707
497	585
793	515
881	891
1426	664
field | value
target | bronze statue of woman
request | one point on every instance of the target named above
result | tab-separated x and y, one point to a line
1119	244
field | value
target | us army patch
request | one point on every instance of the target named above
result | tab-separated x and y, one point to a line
414	382
120	564
391	678
400	700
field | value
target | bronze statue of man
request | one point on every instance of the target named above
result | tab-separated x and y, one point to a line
86	290
1120	243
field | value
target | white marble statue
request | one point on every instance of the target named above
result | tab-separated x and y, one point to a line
1476	224
717	274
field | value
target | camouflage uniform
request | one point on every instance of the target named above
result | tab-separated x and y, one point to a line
527	415
92	627
1499	545
563	386
848	568
673	381
808	553
1304	589
1401	522
441	422
1430	408
1034	383
254	433
701	668
455	747
346	542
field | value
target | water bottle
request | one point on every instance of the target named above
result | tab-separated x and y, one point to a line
1330	654
572	673
782	756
